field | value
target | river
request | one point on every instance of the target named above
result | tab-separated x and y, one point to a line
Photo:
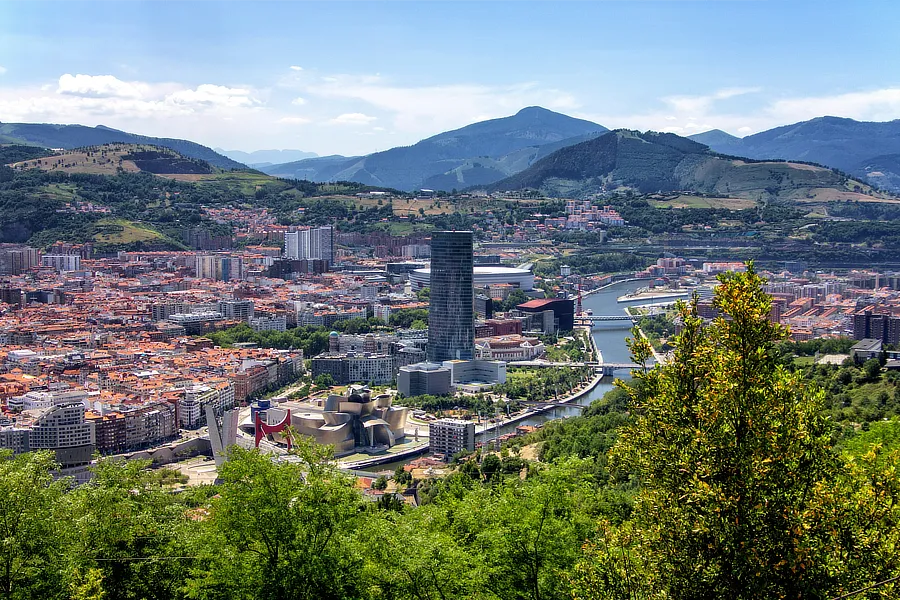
610	339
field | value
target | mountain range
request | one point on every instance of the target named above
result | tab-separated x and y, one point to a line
664	162
869	150
69	137
488	152
265	158
478	154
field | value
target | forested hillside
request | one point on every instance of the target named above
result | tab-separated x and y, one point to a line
663	162
112	197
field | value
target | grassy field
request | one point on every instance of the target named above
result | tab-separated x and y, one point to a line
123	231
243	182
105	161
60	191
686	201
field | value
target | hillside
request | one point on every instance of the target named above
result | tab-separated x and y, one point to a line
473	155
110	159
653	162
836	142
69	137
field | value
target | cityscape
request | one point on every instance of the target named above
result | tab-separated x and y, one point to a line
449	301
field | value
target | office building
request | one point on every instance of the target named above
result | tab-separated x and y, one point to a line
549	315
424	378
451	436
451	315
236	310
63	429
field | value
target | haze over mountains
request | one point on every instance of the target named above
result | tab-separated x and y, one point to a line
264	158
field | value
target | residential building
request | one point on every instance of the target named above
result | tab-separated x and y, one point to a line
451	436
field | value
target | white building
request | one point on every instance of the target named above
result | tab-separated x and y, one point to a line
278	323
190	408
62	262
241	310
64	429
314	243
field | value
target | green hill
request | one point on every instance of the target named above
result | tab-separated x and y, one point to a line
663	162
109	159
845	144
68	137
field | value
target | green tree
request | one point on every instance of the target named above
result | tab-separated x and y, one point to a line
126	526
325	380
490	466
31	528
736	468
280	530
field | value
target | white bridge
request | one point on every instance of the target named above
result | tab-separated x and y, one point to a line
607	368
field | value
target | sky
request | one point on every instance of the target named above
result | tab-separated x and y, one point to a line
356	77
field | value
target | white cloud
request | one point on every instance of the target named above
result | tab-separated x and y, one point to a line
294	120
99	86
352	119
295	68
208	94
873	105
686	115
2	70
298	101
701	104
430	109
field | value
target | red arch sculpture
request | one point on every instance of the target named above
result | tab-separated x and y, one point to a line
262	429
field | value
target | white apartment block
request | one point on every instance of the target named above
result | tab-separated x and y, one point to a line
62	262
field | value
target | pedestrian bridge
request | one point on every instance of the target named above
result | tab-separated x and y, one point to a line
607	368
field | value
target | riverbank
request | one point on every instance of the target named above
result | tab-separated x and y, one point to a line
568	400
608	285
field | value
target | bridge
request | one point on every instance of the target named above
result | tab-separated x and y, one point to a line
607	368
592	320
604	317
546	405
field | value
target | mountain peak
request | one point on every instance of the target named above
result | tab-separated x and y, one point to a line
535	111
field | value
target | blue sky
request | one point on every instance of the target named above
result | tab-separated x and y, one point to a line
352	78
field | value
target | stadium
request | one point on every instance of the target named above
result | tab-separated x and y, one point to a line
483	276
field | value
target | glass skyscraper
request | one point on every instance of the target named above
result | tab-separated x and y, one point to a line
451	314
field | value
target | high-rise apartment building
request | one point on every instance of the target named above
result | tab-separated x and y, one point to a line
451	436
62	262
315	243
218	267
451	314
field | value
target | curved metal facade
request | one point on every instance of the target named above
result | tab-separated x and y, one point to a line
451	314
